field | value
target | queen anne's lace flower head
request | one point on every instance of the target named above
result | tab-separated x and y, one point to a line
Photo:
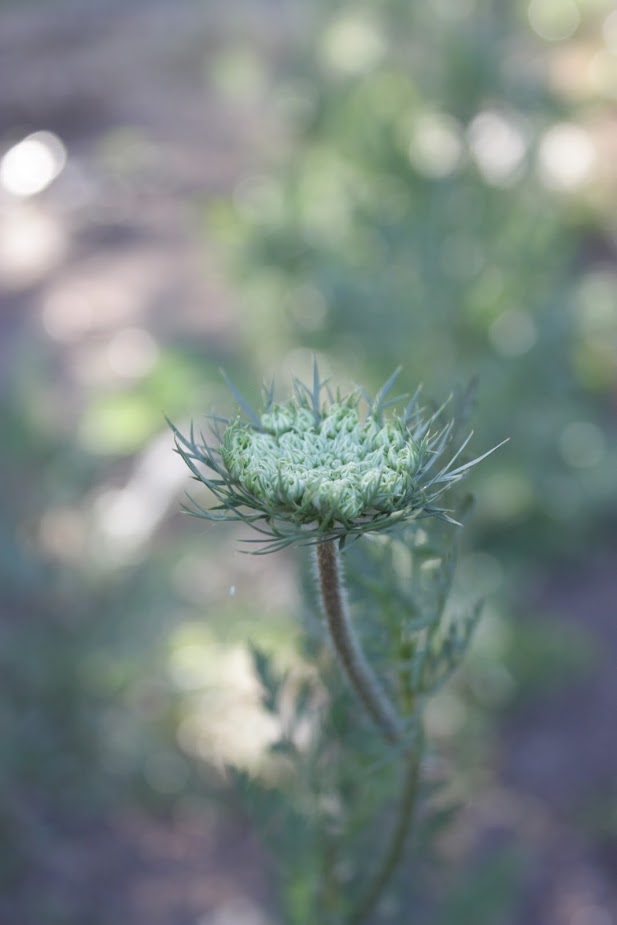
310	470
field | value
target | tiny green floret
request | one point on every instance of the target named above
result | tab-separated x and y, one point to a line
311	470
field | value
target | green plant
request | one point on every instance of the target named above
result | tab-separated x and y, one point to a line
312	471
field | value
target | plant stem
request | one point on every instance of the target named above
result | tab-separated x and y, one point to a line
397	842
348	649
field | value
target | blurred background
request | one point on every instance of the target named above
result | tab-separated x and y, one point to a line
191	185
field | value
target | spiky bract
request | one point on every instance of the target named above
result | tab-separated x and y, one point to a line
312	469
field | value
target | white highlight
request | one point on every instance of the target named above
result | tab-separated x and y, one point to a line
31	244
31	165
566	157
125	519
609	32
352	45
498	146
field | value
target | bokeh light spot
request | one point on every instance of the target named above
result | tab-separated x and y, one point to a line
582	444
554	20
131	353
77	306
237	911
296	102
609	32
325	190
498	145
31	165
504	495
352	45
118	424
62	534
31	244
445	715
603	73
513	333
307	307
238	73
188	665
566	157
492	684
436	145
227	723
598	302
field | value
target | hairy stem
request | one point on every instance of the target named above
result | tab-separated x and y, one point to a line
398	839
352	658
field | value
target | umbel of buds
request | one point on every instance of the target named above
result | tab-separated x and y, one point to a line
318	468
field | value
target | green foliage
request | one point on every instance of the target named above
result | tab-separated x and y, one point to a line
407	217
333	800
486	893
407	581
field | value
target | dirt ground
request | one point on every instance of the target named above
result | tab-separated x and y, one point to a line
560	756
109	76
125	87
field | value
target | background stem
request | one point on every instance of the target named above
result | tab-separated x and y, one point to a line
398	840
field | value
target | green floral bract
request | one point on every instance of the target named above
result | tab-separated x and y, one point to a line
309	470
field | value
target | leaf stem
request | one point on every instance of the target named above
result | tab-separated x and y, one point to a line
398	840
348	649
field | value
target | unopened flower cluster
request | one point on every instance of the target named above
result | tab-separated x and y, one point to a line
310	470
335	469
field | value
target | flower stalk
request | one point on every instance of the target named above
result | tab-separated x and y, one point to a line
382	711
352	659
